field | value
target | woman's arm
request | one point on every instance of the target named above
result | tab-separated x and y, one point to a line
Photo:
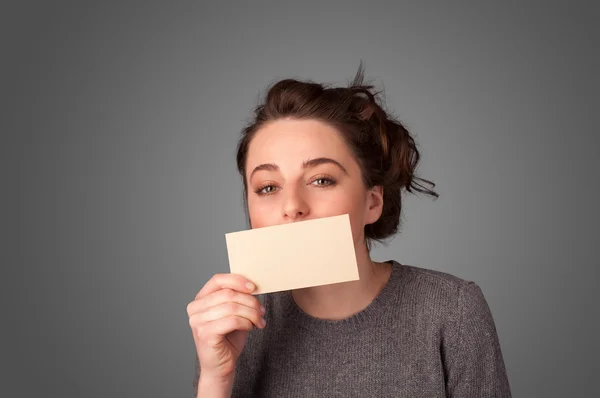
214	388
473	359
205	387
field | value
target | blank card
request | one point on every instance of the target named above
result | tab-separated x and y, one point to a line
295	255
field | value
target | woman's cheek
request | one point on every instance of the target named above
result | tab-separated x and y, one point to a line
263	213
331	205
357	229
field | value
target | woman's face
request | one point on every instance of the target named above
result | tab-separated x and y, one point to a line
299	170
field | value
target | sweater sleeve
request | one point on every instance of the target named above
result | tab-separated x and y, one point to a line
473	360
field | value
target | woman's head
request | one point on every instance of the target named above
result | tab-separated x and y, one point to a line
316	151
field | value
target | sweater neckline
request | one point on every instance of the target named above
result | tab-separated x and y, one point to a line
363	318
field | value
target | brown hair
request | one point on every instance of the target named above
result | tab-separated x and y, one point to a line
383	147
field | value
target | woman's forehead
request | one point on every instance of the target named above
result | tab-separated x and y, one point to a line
295	141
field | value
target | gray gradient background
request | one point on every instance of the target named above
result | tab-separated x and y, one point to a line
120	124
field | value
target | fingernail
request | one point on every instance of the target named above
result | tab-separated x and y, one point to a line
250	285
264	323
262	309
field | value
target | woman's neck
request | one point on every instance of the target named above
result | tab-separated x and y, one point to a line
342	300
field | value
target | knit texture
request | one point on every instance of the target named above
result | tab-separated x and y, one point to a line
426	334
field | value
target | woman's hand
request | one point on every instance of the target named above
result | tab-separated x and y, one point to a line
221	316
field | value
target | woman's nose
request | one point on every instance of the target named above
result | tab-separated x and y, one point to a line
294	206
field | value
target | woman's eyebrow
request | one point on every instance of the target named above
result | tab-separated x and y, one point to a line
306	164
318	161
264	166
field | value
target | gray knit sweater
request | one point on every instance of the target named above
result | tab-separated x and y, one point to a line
426	334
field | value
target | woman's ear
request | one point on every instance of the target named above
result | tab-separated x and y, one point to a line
374	205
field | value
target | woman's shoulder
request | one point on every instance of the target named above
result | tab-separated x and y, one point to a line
445	280
432	289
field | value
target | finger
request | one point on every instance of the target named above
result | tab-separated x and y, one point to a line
222	281
227	309
224	296
224	326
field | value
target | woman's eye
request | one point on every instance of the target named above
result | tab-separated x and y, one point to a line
323	182
266	190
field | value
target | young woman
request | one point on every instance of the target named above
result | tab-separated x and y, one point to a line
400	331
